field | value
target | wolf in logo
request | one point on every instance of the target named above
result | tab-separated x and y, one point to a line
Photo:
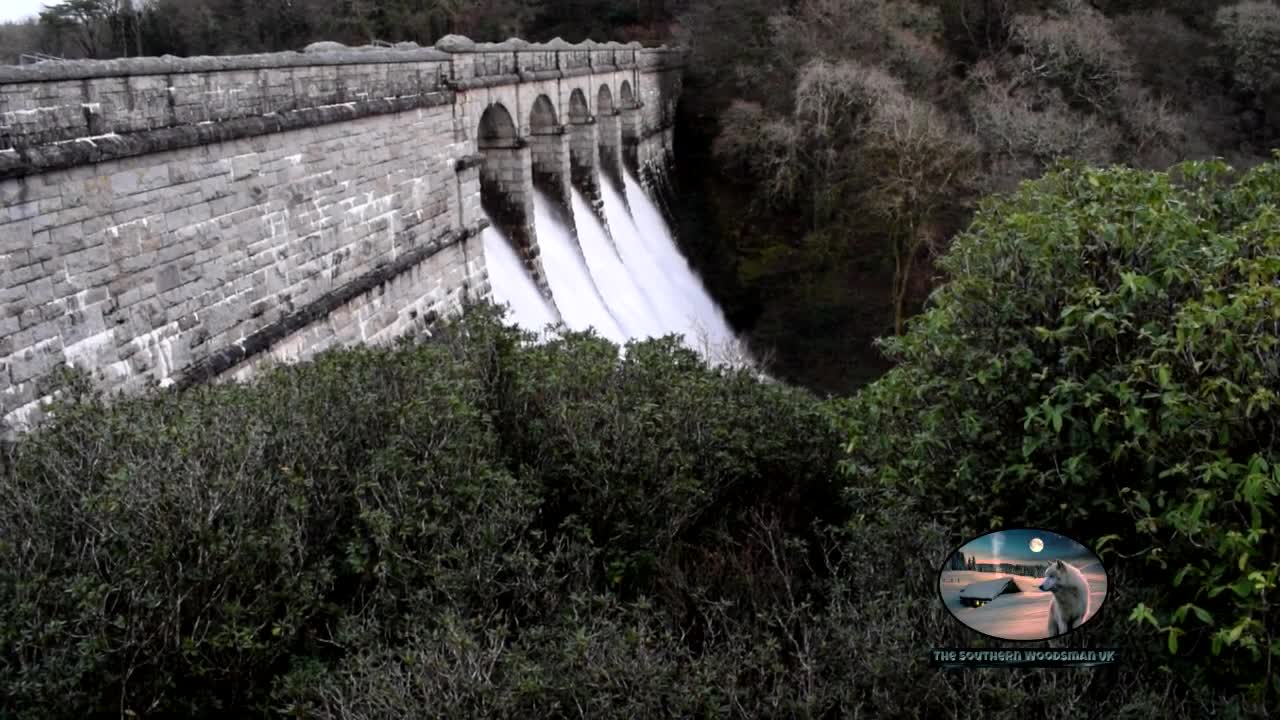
1070	605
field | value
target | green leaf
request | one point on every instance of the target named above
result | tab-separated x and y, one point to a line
1203	614
1243	587
1102	542
1178	578
1142	613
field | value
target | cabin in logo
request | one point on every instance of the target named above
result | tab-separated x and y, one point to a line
981	593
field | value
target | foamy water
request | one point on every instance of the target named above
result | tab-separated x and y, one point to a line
511	284
581	304
628	282
624	298
653	230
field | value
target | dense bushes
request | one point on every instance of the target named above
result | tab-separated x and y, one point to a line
1105	359
179	554
476	527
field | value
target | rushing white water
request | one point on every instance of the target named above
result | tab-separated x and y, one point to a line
674	316
629	304
581	303
627	282
708	320
511	284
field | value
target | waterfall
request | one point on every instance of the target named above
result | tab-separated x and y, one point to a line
674	315
581	303
706	319
511	284
632	306
627	282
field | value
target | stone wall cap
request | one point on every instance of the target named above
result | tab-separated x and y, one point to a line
52	70
324	46
455	43
317	53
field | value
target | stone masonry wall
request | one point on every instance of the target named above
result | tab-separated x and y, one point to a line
176	220
415	300
143	266
610	139
551	169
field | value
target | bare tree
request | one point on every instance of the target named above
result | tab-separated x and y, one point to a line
924	163
1075	50
856	145
1251	40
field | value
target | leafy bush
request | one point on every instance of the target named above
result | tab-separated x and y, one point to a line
1104	359
477	526
211	552
170	553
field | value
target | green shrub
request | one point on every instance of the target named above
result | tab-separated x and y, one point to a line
1104	359
209	553
646	453
479	527
169	553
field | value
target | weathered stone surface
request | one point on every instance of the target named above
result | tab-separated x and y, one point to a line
455	43
324	46
86	151
176	219
54	70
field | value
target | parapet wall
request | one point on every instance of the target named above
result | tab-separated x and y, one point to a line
174	220
56	115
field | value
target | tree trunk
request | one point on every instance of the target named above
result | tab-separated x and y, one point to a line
904	258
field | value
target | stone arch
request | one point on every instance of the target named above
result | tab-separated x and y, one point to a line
609	136
505	193
604	101
497	129
629	127
579	111
549	152
542	118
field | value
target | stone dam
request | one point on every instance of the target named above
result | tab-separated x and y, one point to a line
179	220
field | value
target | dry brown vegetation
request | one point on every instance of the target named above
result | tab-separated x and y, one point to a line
954	99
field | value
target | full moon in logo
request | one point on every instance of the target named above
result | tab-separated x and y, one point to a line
1037	544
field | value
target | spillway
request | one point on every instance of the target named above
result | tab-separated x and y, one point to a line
625	278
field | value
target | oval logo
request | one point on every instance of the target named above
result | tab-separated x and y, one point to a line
1023	584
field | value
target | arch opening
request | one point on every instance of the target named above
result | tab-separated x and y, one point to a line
497	129
604	101
549	152
579	112
629	112
542	118
504	194
610	136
